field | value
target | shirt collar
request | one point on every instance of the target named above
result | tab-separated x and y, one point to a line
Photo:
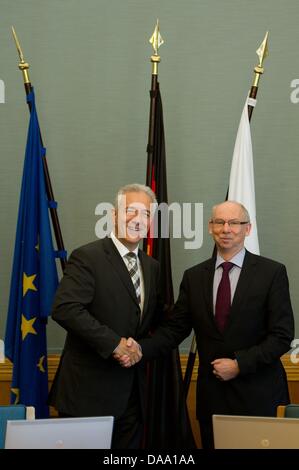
238	259
121	248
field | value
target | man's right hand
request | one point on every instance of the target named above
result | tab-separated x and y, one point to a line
128	352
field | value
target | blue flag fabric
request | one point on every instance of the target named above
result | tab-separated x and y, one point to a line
34	281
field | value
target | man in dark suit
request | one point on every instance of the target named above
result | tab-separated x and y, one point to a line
239	306
107	297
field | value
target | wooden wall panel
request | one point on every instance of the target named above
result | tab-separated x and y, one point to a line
292	371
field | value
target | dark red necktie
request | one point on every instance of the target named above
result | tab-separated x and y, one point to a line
223	299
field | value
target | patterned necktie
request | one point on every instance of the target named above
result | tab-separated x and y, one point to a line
134	273
223	299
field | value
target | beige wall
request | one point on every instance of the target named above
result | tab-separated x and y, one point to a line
292	371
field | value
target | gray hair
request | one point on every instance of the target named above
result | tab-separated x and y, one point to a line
135	188
243	208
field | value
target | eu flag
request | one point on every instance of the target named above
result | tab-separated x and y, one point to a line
33	282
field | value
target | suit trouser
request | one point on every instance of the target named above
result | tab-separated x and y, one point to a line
206	433
128	428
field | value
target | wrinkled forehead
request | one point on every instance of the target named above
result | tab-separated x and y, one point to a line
228	211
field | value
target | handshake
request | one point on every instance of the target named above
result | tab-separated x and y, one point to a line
128	352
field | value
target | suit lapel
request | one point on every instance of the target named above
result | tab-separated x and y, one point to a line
119	266
208	285
146	272
247	274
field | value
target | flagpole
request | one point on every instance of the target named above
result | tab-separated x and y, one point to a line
166	423
24	66
190	366
262	53
156	41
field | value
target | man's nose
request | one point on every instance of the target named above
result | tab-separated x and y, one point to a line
137	217
226	227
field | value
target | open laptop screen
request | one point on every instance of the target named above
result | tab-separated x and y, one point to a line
60	433
255	432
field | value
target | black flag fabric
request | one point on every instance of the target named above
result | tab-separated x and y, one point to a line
167	424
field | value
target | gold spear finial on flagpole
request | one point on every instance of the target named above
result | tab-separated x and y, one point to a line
262	53
23	66
156	41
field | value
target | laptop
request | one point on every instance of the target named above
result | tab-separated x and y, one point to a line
60	433
255	432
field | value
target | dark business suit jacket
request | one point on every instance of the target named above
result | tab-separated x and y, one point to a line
97	305
259	330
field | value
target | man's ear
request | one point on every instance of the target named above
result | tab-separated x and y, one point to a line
248	229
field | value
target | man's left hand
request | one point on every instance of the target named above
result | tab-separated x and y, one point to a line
225	369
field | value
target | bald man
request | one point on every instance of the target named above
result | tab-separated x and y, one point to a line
239	306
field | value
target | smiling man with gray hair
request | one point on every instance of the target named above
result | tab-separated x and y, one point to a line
107	297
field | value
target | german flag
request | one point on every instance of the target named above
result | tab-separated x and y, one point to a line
167	423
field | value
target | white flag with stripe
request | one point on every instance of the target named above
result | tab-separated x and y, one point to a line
241	181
